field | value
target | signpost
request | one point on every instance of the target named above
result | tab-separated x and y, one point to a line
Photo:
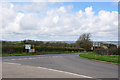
31	50
28	48
95	44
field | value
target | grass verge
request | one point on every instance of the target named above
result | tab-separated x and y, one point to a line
107	58
23	54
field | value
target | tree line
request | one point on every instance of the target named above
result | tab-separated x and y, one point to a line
82	42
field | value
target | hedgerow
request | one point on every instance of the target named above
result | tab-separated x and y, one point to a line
10	49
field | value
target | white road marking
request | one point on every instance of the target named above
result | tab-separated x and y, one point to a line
19	59
66	72
27	58
56	70
31	58
13	59
23	58
11	63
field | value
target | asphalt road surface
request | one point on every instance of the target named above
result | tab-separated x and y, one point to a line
56	66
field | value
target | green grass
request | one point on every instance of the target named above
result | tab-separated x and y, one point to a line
107	58
22	54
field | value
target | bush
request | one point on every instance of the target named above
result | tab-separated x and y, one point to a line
57	49
10	49
100	51
113	51
110	51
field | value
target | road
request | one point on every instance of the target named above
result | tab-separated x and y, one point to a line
59	65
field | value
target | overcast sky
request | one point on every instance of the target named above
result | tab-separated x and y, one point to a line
60	21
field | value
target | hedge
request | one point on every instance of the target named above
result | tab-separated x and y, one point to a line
110	51
10	49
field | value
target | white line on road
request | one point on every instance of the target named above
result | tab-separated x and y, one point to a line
23	58
31	58
11	63
13	59
66	72
27	58
55	70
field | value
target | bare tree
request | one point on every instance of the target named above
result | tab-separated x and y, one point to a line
84	41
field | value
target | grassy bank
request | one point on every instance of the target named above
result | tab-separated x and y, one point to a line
23	54
107	58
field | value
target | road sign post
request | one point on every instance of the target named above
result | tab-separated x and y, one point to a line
96	44
31	50
27	47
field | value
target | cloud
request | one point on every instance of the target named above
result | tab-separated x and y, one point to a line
8	14
58	23
31	7
55	19
62	9
88	11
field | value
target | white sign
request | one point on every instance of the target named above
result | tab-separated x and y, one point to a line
27	46
96	44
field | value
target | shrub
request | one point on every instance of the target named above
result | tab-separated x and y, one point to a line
110	51
113	51
8	49
12	49
100	51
